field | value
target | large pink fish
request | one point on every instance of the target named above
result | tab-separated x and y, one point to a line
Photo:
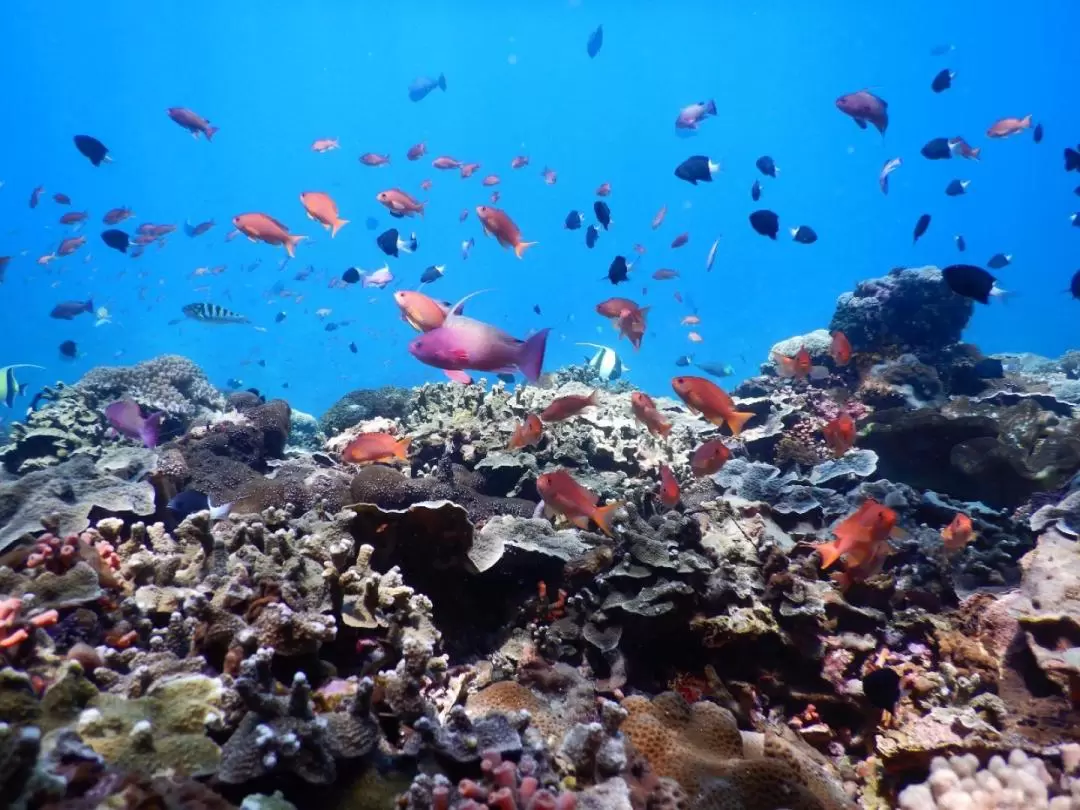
693	114
126	418
864	106
465	343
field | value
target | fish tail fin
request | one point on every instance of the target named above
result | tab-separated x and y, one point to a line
594	397
829	553
401	449
531	359
664	429
521	247
1026	121
710	107
291	241
976	152
603	515
89	305
337	226
442	82
151	427
420	209
737	419
219	512
210	133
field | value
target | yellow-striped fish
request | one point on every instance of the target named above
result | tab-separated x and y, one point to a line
9	386
212	313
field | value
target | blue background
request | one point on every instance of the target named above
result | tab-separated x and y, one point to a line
274	76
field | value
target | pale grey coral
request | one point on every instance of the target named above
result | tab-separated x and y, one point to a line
169	383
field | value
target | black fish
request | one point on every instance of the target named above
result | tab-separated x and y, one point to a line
352	275
352	347
69	349
961	245
536	308
596	40
1038	133
697	168
882	689
1074	286
92	148
920	227
804	235
280	317
116	239
755	191
766	223
1072	160
1075	220
684	361
432	274
766	165
603	213
388	242
591	235
574	220
262	364
257	393
957	187
943	81
617	273
970	281
66	310
999	261
937	149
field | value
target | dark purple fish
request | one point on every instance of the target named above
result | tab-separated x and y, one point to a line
67	310
126	418
35	195
864	106
920	227
198	230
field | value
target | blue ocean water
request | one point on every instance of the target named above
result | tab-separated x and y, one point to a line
276	76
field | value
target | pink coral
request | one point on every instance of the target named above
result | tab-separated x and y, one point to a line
54	554
13	629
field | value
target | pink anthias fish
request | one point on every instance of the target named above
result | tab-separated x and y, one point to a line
463	343
693	114
377	278
126	418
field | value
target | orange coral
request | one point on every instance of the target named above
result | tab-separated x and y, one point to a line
505	697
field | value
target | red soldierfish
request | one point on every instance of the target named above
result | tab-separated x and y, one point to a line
840	434
264	228
565	496
567	406
707	398
669	487
528	433
646	412
192	122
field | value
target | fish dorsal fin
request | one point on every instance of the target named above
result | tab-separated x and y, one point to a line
21	365
451	315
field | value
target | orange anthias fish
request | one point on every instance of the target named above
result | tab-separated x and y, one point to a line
565	496
840	349
799	367
613	307
1005	127
840	434
709	458
860	536
711	401
264	228
567	406
527	433
646	412
368	448
496	223
400	203
631	325
325	145
321	208
958	533
669	487
420	311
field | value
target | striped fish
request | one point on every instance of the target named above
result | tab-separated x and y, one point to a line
212	313
9	386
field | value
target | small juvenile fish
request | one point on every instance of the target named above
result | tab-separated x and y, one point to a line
603	190
1037	134
712	256
755	191
421	86
961	245
592	233
416	151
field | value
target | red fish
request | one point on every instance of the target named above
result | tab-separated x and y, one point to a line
322	208
73	217
368	448
958	533
115	216
613	307
468	169
1008	126
711	401
603	190
70	245
840	434
565	496
425	185
528	433
549	175
325	145
464	215
665	275
964	149
445	163
373	159
416	152
860	535
496	223
192	122
840	349
520	162
864	106
420	311
264	228
646	412
669	487
399	203
490	180
61	199
658	220
495	197
631	325
709	458
680	240
567	406
799	367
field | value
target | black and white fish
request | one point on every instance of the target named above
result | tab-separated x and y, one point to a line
214	314
606	362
